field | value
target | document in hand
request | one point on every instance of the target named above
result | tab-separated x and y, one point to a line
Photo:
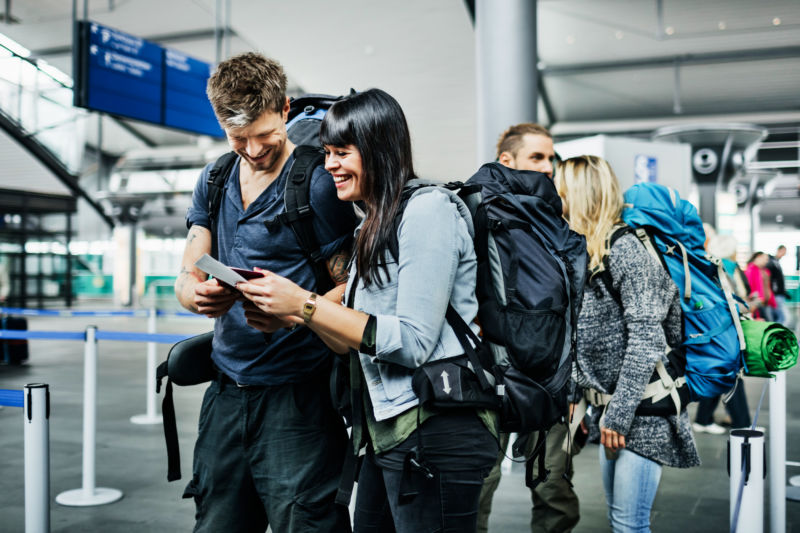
228	276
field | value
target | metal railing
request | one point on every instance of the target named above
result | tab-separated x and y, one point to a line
38	99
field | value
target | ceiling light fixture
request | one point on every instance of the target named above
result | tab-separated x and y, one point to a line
669	30
776	21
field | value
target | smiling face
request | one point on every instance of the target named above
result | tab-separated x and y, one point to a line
262	143
344	164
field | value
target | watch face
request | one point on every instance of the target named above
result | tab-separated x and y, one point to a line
309	307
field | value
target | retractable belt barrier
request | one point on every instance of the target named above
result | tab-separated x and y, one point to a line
35	403
140	313
89	494
151	415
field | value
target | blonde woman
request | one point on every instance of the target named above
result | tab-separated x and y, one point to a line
619	345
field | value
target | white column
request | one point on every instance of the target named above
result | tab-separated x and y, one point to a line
36	413
88	494
151	416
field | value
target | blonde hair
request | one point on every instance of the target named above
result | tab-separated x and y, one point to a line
591	192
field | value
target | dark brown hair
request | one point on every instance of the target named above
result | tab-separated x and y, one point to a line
511	139
374	123
243	87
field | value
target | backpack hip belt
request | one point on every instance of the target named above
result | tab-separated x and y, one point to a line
655	391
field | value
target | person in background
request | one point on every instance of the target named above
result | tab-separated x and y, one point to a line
724	248
778	284
5	283
393	323
619	345
555	505
761	286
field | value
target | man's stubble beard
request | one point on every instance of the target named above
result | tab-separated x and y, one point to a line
276	153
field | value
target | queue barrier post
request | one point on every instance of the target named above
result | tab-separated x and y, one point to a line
36	414
777	453
746	468
89	494
151	416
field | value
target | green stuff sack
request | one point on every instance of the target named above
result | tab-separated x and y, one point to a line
770	348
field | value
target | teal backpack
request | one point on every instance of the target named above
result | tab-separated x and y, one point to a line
671	230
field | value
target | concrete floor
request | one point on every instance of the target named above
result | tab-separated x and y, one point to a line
132	458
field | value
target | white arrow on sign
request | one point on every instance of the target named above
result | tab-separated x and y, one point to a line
446	382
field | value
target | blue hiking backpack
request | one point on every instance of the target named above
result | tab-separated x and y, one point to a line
671	230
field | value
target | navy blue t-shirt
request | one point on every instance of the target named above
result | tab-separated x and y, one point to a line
239	350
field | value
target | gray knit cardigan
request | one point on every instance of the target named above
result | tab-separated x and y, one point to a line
618	348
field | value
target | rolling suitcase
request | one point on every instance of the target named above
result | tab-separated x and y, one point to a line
14	351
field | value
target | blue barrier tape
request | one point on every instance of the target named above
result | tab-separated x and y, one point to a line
51	335
178	313
75	313
163	338
136	313
102	313
29	312
12	398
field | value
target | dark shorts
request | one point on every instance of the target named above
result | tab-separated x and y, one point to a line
268	456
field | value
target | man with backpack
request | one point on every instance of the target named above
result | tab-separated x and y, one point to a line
270	446
529	146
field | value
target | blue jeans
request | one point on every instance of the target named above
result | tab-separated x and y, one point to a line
630	482
779	313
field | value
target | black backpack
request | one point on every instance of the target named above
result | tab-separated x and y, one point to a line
189	361
531	274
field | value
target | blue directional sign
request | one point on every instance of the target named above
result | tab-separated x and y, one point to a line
127	76
186	105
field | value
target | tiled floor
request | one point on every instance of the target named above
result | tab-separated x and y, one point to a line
132	458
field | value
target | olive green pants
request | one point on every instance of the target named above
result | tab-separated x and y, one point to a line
555	504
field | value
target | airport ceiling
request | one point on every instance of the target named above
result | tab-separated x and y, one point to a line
637	63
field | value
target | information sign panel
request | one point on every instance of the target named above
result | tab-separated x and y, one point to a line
130	77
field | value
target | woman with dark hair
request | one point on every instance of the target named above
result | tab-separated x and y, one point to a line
416	475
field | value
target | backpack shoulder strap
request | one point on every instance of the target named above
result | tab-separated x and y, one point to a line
605	274
217	177
393	244
298	214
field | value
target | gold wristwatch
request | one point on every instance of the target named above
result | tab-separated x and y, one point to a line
309	307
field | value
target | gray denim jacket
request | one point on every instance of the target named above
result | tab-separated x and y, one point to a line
437	265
